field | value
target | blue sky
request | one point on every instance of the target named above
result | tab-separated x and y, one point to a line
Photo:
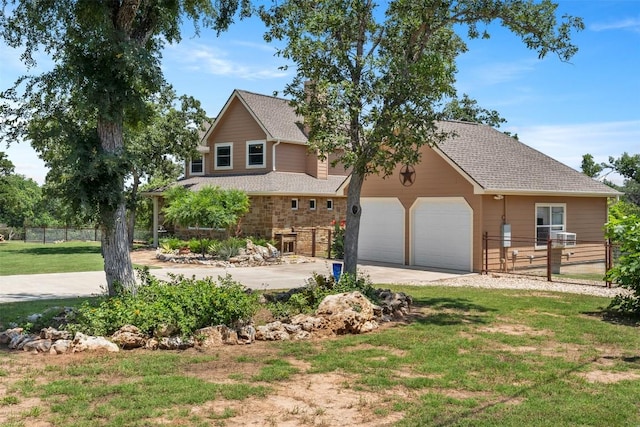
590	105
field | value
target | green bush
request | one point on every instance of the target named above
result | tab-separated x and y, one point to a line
307	298
171	243
200	246
182	304
625	231
230	247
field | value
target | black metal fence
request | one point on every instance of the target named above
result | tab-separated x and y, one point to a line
557	261
66	234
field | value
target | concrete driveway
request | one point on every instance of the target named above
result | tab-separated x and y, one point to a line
283	276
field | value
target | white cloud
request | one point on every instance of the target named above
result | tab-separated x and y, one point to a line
218	62
568	142
632	24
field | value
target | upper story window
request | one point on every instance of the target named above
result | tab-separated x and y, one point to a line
312	204
329	205
549	218
256	157
196	166
223	156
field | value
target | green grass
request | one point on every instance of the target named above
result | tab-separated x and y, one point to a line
470	357
37	258
18	311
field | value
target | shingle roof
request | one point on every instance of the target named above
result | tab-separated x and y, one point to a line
271	183
499	163
276	116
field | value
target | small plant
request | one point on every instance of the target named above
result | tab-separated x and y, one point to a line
182	304
307	298
337	245
171	244
230	248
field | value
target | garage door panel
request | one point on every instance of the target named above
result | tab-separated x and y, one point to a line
442	233
381	235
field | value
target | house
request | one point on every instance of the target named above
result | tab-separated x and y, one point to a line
480	197
478	183
259	145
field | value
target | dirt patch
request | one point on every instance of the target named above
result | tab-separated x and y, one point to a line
608	377
514	329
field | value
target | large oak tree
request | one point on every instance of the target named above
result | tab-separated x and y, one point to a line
106	56
371	77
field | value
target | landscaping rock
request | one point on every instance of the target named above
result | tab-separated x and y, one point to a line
39	345
60	347
394	304
128	337
246	334
53	334
18	341
83	342
9	334
349	312
274	331
175	343
215	336
309	323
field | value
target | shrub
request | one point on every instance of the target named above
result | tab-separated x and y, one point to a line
625	231
337	245
307	298
170	244
230	247
182	304
200	246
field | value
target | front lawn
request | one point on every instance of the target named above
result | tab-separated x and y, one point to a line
466	357
38	258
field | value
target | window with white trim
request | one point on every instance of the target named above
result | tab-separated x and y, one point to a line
196	166
549	218
223	156
294	204
256	157
329	204
312	204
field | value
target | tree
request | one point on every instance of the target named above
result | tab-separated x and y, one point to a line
589	167
171	135
369	81
625	231
107	64
6	166
21	198
468	110
628	166
210	207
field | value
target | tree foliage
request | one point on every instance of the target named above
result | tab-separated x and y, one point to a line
627	165
625	232
370	80
468	110
210	207
20	199
106	58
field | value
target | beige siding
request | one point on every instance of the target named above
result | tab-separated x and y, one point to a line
314	166
338	169
291	157
434	178
237	126
585	216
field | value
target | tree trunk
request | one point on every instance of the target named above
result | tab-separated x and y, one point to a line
131	224
352	230
115	242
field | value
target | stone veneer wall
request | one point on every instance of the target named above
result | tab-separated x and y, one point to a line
269	215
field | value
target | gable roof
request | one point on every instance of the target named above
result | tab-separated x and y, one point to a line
276	116
496	163
271	183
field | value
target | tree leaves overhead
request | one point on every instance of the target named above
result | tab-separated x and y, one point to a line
371	78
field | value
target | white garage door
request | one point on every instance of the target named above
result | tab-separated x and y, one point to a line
441	233
381	230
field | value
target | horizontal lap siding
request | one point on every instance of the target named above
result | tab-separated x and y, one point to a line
585	216
434	178
291	158
237	126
